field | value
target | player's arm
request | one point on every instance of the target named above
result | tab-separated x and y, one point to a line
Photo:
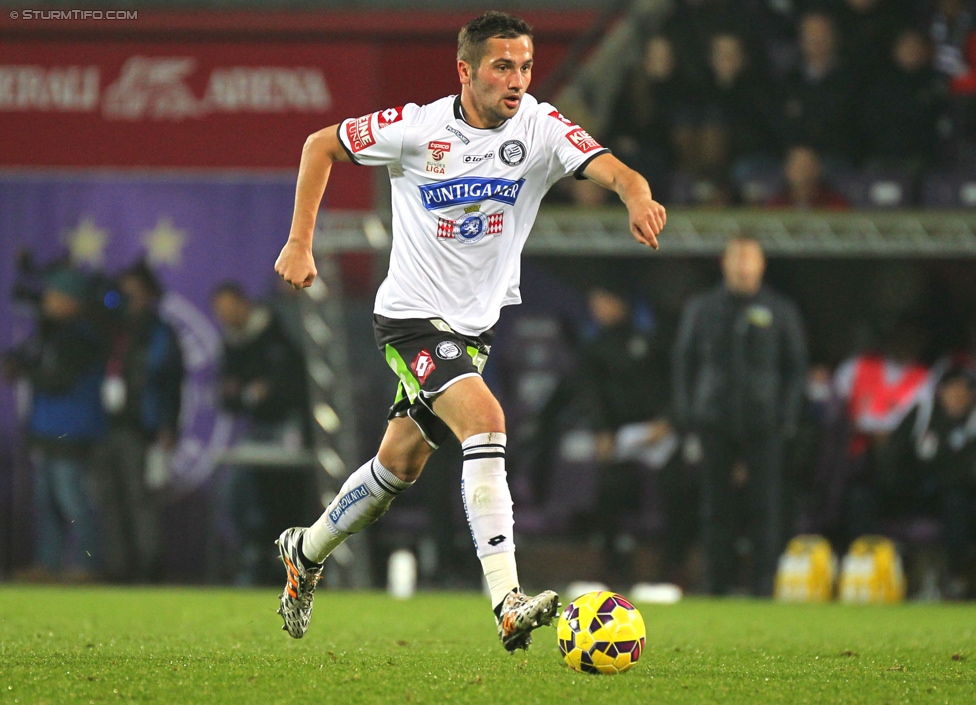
322	149
647	216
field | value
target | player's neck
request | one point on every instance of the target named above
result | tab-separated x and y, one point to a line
472	117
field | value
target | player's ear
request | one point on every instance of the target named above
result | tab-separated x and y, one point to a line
464	72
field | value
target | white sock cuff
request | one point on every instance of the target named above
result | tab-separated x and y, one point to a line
386	480
484	442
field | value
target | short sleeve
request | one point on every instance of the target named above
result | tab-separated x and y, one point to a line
375	139
573	148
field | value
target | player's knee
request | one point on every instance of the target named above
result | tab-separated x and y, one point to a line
406	466
489	418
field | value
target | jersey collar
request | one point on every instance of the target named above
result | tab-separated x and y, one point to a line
459	114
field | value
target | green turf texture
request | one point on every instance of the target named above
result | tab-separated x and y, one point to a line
107	645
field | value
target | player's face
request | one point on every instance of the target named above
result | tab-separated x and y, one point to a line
497	85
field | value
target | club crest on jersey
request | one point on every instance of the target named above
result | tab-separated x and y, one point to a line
437	157
423	365
387	117
470	189
512	153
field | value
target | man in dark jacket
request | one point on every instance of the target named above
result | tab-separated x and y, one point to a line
262	380
141	396
739	370
63	363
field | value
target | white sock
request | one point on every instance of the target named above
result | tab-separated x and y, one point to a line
488	506
501	574
365	496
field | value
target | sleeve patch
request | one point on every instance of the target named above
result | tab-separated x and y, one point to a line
562	118
582	140
387	117
360	133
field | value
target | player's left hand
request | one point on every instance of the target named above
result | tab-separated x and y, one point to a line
296	265
647	219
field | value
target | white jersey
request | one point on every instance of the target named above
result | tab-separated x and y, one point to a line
464	201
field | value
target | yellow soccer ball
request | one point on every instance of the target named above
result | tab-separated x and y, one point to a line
601	632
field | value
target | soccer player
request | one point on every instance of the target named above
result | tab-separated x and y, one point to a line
467	175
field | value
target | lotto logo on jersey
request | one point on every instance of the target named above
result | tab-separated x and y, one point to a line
360	133
387	117
423	365
562	118
582	140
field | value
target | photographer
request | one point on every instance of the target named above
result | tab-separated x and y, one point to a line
63	363
141	395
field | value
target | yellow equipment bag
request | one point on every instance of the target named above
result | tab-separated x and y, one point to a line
872	572
807	570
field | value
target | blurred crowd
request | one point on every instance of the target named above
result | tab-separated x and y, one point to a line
105	375
716	440
712	438
801	103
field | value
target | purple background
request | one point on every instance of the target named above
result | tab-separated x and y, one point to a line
231	226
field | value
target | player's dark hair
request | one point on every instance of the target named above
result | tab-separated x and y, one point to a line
474	36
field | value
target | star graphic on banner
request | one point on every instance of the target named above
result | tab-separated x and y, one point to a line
164	243
87	242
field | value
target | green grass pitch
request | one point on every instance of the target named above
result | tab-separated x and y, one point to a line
104	645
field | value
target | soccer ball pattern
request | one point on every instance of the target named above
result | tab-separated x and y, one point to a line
601	632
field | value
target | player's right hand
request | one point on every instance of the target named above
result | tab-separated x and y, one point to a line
296	265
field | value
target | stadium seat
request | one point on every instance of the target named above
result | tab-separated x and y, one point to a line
949	190
876	189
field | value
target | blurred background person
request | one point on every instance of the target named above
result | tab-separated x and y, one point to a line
625	374
141	396
928	467
739	136
805	186
739	374
262	380
819	99
650	118
900	110
63	362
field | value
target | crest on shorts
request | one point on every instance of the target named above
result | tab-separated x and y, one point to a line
448	350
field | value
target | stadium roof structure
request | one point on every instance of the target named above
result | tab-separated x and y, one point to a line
603	232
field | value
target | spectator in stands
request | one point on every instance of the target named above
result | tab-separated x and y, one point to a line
650	115
141	397
739	373
878	390
867	28
930	465
625	374
820	96
737	135
901	108
691	24
262	379
953	29
805	185
63	363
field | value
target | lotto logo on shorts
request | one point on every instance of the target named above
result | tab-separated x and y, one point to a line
582	140
423	365
387	117
360	133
